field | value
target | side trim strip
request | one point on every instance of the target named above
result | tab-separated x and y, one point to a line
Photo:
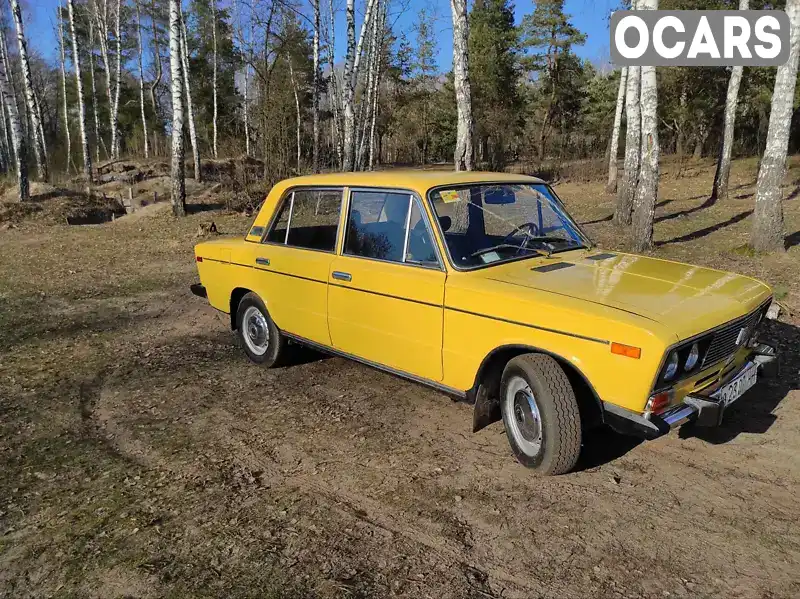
530	326
384	368
403	299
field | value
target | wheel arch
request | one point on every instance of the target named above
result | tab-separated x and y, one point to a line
486	387
236	296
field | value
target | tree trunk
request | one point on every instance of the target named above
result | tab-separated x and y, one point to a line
38	142
297	113
335	90
214	68
87	157
176	68
64	86
630	175
611	185
767	234
315	91
97	139
102	24
115	136
351	68
141	79
246	112
17	137
159	72
722	175
198	174
376	85
464	154
647	188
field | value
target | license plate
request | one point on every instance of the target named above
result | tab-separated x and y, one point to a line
738	386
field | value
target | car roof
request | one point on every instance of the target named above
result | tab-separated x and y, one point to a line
418	180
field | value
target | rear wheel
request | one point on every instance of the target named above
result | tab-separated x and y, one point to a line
260	339
540	414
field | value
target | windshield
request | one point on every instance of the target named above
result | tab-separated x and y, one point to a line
483	224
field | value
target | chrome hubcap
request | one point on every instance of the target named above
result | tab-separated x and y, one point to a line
255	331
524	420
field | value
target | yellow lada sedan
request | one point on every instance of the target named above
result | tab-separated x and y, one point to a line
482	286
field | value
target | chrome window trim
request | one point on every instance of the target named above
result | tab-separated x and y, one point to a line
408	228
414	196
289	193
492	182
289	220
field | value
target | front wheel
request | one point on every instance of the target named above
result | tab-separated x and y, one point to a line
261	340
540	414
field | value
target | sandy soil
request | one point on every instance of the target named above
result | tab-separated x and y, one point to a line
143	456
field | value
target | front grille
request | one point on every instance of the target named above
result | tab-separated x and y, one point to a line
723	342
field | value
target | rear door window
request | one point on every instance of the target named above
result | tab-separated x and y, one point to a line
309	219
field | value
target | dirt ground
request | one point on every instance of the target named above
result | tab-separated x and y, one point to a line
141	455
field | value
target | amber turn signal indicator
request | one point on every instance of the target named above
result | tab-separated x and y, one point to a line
626	350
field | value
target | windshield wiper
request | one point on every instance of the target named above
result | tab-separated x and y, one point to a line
501	246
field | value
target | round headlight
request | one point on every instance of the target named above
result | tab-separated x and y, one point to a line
692	358
672	366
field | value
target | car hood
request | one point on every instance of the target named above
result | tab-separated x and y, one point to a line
686	299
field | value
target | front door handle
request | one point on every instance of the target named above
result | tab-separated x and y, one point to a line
262	261
342	276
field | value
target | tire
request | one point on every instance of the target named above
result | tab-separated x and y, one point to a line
258	335
544	435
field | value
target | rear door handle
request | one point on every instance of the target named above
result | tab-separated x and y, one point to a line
262	261
342	276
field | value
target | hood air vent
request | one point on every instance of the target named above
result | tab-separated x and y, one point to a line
551	267
598	257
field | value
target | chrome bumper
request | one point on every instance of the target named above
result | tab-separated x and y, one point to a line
702	410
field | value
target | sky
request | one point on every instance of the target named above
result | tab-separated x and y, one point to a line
591	17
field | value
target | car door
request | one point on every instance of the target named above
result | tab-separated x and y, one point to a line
293	261
386	288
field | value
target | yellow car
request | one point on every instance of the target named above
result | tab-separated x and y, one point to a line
482	286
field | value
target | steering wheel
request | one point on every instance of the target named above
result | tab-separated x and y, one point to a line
530	229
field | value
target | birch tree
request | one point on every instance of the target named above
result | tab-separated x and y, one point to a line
159	71
17	137
298	114
314	91
627	190
184	55
98	140
115	141
214	77
176	76
611	185
38	140
141	79
463	155
647	187
723	173
101	19
63	85
767	233
87	157
351	68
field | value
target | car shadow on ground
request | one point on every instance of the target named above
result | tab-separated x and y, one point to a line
602	446
754	411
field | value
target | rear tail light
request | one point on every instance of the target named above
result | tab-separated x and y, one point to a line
199	258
